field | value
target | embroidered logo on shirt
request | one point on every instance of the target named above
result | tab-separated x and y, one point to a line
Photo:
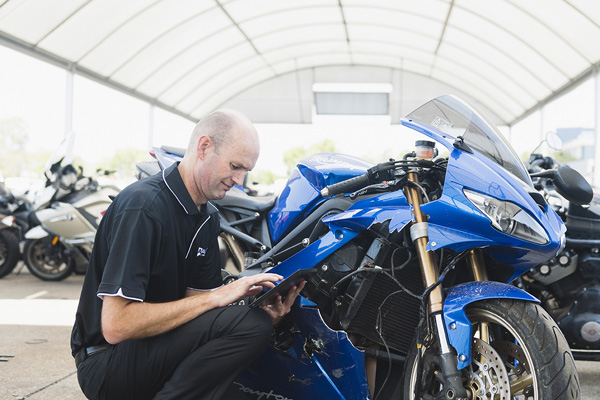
201	252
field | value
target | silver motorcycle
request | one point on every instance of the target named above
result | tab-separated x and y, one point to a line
62	240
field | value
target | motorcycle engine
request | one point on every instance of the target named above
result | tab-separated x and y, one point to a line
370	305
556	269
568	287
581	325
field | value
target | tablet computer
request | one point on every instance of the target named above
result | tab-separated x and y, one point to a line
282	287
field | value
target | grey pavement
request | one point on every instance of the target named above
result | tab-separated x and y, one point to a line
35	327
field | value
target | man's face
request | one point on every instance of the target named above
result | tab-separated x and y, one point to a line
227	167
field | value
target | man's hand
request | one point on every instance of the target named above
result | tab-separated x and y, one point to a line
244	287
278	308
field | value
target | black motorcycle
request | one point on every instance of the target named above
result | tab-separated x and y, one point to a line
569	285
15	214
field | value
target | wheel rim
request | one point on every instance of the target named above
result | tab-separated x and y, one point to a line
516	363
44	264
517	359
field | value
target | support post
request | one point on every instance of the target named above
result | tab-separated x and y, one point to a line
69	134
596	178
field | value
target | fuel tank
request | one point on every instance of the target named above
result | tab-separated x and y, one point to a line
302	190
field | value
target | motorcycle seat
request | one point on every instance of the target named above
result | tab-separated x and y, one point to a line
237	198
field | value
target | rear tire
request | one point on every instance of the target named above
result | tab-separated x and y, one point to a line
46	261
525	345
9	252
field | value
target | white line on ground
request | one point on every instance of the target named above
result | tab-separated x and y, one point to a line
36	295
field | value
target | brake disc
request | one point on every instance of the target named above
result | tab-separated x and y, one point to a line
510	353
487	377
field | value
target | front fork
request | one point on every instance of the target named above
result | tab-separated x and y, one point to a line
451	376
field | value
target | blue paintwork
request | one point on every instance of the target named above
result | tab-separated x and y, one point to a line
458	297
336	372
301	193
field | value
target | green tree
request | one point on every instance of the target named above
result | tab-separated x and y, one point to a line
292	156
123	161
13	138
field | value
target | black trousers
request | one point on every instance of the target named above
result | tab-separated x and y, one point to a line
198	360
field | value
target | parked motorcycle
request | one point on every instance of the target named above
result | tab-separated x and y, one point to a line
9	246
14	221
62	237
568	285
407	266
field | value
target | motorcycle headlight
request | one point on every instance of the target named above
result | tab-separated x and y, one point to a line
508	217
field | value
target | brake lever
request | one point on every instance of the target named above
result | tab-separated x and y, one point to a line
374	188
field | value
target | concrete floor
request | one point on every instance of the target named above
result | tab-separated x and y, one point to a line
35	327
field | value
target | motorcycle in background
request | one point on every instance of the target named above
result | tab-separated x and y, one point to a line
65	224
568	285
407	265
14	221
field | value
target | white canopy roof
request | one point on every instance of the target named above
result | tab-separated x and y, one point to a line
192	56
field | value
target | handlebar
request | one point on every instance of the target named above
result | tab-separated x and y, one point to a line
378	173
347	186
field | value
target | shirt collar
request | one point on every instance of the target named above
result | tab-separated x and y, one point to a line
175	184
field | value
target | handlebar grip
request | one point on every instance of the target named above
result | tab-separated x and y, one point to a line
348	185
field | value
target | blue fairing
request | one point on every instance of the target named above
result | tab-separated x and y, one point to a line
455	223
301	193
458	297
332	369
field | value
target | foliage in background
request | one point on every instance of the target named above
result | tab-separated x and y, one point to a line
292	156
123	161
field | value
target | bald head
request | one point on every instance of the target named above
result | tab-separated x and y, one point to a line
221	126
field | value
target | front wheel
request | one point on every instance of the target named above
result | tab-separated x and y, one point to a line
518	352
46	260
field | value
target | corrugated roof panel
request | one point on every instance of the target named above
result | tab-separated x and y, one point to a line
218	68
82	32
299	34
498	64
192	35
220	83
539	35
145	28
32	20
275	22
175	70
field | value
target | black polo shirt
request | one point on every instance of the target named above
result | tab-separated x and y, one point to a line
152	244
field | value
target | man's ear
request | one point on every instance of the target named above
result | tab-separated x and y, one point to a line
204	144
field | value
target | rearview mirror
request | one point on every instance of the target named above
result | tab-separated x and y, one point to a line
554	141
572	185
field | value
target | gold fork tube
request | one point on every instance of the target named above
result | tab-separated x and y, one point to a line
477	262
427	260
478	265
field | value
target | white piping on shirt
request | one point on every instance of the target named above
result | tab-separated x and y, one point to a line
118	294
163	175
194	238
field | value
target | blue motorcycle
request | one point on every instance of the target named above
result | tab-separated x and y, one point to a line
407	265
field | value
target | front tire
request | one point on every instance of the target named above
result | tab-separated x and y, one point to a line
47	261
525	356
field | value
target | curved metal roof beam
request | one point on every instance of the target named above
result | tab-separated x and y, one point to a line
282	31
121	26
499	105
518	38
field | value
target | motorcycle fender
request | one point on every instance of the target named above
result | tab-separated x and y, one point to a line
36	233
458	297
